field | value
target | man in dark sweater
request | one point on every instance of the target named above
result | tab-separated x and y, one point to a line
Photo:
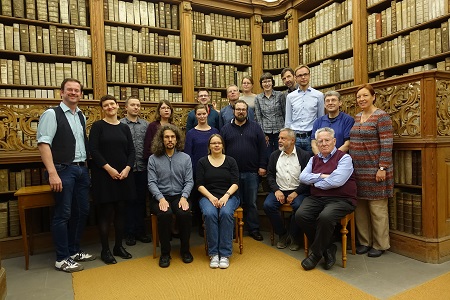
245	142
333	196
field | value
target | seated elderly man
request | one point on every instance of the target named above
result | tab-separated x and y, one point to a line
333	195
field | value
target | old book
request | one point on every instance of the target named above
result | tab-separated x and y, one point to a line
2	36
23	69
168	13
53	10
408	166
438	44
33	41
143	12
122	12
378	25
16	37
14	224
30	9
64	11
151	14
424	43
174	16
7	9
73	12
24	38
121	38
393	16
41	10
3	219
444	37
59	40
407	213
72	43
415	45
129	9
417	214
4	180
39	41
16	72
66	41
9	38
400	222
18	8
161	15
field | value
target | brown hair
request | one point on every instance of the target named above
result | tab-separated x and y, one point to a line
106	97
158	141
220	137
367	86
63	84
158	114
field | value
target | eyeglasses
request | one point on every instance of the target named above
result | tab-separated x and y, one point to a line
240	109
302	75
216	143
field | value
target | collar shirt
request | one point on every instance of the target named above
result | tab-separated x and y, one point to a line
269	112
288	171
138	130
303	108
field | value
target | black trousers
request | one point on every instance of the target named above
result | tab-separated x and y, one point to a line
184	220
318	216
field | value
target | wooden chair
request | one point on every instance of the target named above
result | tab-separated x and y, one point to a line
238	227
155	235
284	208
344	222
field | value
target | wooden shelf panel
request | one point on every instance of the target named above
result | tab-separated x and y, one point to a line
216	62
151	57
48	57
210	37
276	51
274	35
138	26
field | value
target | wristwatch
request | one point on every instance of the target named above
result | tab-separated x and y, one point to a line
382	168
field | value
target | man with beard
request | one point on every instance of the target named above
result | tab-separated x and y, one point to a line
287	75
245	142
333	195
170	182
227	113
203	97
283	171
303	107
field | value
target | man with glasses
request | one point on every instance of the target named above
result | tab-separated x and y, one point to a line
333	195
245	142
203	97
227	113
303	107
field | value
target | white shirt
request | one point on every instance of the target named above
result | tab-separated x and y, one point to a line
288	171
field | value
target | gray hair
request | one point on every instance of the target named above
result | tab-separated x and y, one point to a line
325	129
290	132
332	93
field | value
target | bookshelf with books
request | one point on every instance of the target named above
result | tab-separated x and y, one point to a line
326	44
407	36
42	42
275	45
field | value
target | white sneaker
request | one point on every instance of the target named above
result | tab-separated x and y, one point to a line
224	262
83	256
68	265
214	263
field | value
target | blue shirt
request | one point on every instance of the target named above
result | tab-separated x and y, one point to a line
213	119
336	179
227	114
303	108
47	129
341	126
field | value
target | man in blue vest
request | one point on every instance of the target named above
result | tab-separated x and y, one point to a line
62	142
333	196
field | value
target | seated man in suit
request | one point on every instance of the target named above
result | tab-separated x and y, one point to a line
285	165
333	195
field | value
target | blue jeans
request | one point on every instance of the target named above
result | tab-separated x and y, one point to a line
248	192
136	208
271	206
219	224
304	143
71	209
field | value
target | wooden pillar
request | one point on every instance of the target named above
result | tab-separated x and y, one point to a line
187	56
360	42
257	46
292	20
98	47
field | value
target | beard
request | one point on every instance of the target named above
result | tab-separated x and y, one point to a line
240	117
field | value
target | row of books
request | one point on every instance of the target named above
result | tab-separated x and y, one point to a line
221	25
144	94
275	61
24	72
325	19
60	11
404	14
217	76
407	166
405	212
335	42
141	41
274	26
36	93
220	50
276	45
146	13
13	180
417	45
52	40
337	86
332	70
133	71
9	219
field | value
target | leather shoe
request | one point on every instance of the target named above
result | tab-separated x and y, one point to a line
361	249
164	261
187	257
130	240
121	252
108	258
256	235
144	238
310	262
375	253
329	256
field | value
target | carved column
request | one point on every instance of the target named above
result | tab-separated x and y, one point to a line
187	62
257	45
292	20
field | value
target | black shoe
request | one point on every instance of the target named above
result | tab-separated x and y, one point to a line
256	235
375	253
164	261
130	240
329	256
361	249
310	262
187	257
144	238
108	258
121	252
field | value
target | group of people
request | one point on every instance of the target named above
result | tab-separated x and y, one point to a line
321	164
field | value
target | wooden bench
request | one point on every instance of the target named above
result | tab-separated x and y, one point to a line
31	197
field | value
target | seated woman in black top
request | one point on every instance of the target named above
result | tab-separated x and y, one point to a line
217	180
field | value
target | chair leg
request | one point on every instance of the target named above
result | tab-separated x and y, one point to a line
305	241
271	236
155	236
241	234
353	233
344	232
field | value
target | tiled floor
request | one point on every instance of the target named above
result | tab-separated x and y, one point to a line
381	277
